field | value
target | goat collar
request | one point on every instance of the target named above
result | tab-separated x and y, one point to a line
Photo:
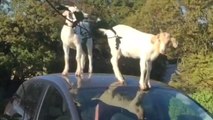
115	36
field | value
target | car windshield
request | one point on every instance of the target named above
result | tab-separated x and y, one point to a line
117	103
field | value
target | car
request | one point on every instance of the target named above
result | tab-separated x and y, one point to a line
98	96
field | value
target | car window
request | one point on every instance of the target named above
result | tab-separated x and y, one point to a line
54	106
164	104
25	101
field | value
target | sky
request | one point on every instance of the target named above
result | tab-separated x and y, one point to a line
4	6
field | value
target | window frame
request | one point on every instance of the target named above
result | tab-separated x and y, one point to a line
23	87
63	90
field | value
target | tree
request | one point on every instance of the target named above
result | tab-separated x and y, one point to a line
30	43
30	38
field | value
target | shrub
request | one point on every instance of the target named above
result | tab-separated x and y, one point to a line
205	98
196	78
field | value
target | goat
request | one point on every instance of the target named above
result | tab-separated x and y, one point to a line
129	42
74	37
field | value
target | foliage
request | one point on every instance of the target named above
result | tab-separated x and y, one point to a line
196	78
205	98
154	16
196	73
5	7
112	12
28	39
166	15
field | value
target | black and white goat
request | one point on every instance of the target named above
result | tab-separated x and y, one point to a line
75	35
129	42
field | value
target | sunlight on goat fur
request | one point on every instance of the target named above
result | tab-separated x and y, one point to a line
129	42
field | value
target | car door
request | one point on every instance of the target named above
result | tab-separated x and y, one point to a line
55	106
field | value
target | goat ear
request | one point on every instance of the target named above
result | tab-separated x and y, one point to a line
155	38
174	42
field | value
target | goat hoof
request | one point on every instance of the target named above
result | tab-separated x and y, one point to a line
149	85
90	71
144	87
117	83
64	73
121	82
78	74
89	75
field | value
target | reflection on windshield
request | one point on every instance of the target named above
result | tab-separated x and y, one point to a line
182	108
118	102
109	103
80	80
114	98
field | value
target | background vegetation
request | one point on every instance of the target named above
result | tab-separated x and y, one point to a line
30	44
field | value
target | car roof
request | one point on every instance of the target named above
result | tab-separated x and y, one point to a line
96	80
